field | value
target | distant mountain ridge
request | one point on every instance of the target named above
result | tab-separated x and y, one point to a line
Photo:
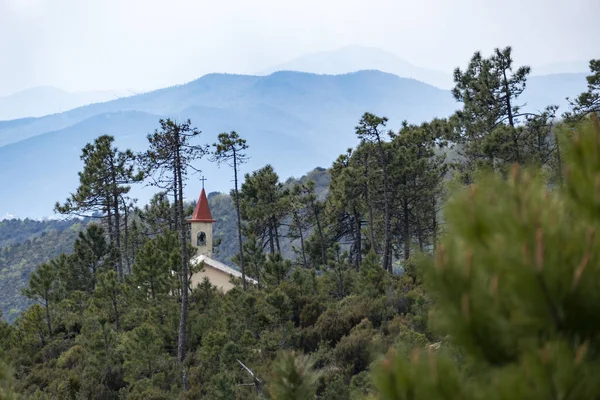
292	120
45	100
357	58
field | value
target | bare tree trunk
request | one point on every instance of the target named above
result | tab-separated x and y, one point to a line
321	239
370	206
387	264
358	240
109	221
184	265
271	239
115	205
239	220
510	117
420	233
175	200
276	236
127	253
298	224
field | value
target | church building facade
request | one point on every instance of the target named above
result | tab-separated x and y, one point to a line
201	230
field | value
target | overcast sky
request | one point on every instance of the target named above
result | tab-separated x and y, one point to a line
147	44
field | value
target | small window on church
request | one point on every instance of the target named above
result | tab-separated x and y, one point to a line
201	239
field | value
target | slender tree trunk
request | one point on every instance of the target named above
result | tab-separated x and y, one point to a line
118	238
299	225
175	199
420	234
559	161
109	220
257	269
271	239
127	253
276	236
239	220
358	221
321	239
510	117
115	204
48	320
94	267
370	206
184	264
406	229
387	240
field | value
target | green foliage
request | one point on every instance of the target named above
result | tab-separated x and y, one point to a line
19	260
6	384
292	378
491	129
515	287
588	102
152	267
511	292
231	149
103	187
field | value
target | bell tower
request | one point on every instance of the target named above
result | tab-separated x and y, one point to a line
201	226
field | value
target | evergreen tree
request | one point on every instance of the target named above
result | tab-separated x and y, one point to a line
231	149
276	270
339	272
170	156
255	258
110	292
348	200
91	255
589	101
103	185
516	290
300	199
293	378
489	122
416	176
151	270
143	348
369	129
6	383
262	205
158	215
44	287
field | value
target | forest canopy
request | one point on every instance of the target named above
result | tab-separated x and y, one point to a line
452	259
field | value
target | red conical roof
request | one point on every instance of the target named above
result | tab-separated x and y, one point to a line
202	211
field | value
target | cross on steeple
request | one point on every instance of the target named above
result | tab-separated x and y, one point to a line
202	180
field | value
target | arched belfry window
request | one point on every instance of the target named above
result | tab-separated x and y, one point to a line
201	239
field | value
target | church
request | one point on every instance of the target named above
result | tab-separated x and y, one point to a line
201	230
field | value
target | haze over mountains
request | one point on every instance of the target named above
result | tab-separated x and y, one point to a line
358	58
292	120
44	100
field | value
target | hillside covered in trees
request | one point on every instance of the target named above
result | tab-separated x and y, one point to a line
454	259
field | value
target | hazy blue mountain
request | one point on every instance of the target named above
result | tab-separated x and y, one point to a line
553	89
358	58
44	100
294	121
568	67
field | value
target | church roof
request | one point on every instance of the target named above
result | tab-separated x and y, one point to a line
220	266
202	211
